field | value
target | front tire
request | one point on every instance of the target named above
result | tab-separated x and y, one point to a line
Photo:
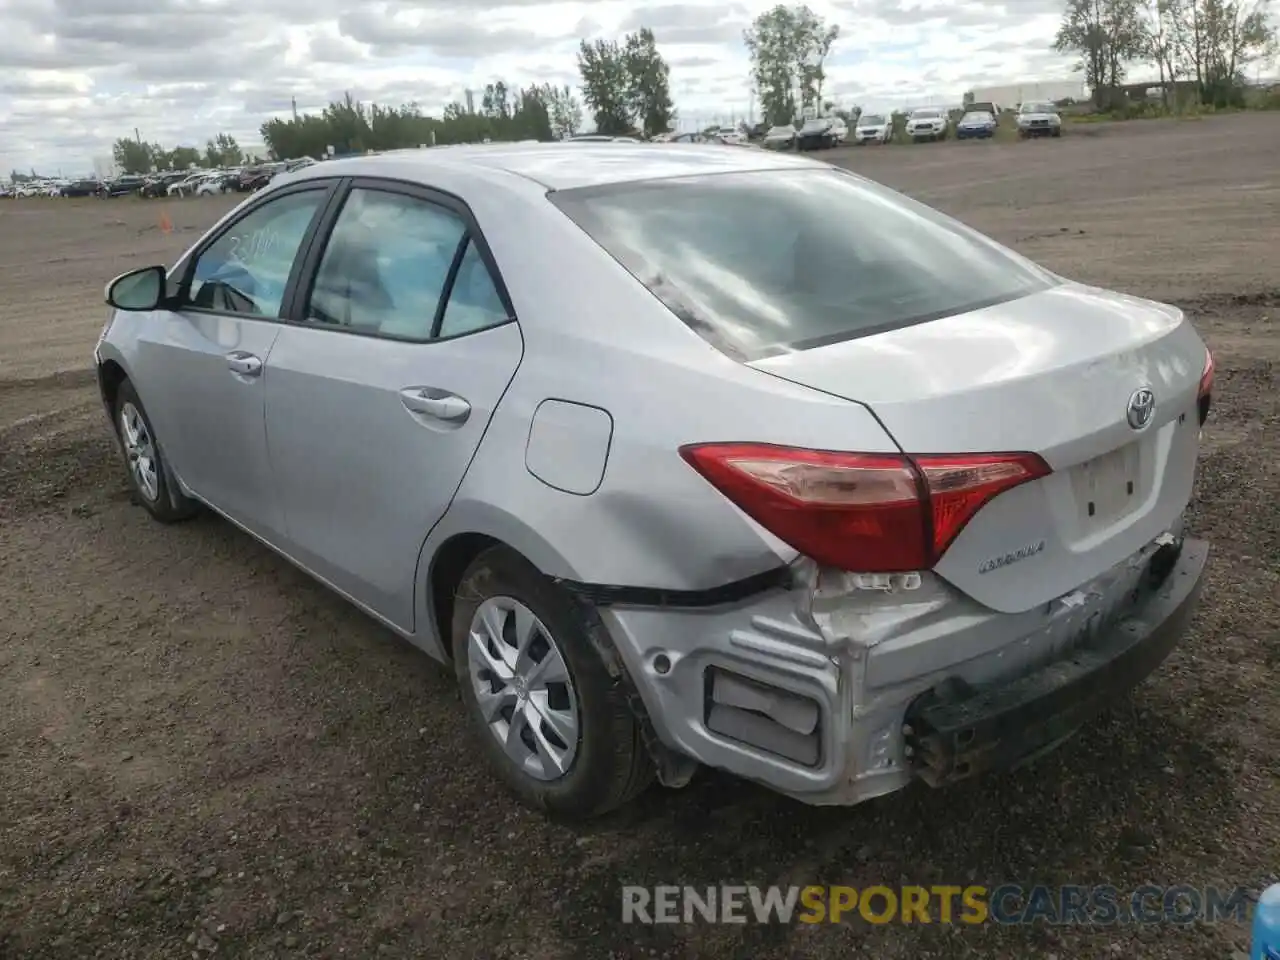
551	720
149	476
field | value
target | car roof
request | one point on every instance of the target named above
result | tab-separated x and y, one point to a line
556	166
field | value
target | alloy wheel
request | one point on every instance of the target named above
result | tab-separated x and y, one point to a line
523	688
139	448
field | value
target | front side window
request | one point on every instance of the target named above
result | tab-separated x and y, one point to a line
767	262
247	268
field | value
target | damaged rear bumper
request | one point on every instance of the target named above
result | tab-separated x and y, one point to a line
835	700
955	734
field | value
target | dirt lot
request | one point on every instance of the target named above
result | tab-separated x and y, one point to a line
202	751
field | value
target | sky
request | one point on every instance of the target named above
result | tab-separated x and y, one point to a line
77	74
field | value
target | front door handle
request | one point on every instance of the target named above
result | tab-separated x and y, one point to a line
435	403
245	364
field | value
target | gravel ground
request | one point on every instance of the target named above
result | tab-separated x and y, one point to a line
202	752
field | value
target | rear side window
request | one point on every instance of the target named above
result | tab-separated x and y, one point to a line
474	303
386	264
389	263
768	262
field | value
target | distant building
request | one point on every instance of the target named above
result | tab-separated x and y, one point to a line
1011	94
105	168
471	102
1151	90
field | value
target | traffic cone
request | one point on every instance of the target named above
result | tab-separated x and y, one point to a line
166	225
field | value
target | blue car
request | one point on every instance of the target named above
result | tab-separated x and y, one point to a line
977	124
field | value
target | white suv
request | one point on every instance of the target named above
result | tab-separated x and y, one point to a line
927	123
873	128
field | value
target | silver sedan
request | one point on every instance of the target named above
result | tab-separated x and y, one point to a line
682	457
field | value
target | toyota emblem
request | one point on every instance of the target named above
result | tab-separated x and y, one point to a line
1142	407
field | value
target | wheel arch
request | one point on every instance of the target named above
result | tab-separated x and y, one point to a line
467	530
449	551
112	372
111	375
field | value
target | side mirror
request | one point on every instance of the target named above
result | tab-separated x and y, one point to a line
138	290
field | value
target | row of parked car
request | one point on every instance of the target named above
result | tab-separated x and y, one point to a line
173	183
979	121
206	182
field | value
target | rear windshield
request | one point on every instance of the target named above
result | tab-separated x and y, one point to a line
768	262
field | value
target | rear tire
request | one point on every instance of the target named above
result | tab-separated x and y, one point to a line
571	747
149	477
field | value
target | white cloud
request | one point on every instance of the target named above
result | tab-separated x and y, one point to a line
77	74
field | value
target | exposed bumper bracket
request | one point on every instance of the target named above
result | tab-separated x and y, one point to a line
610	595
954	732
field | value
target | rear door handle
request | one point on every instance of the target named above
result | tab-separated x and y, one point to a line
443	406
245	364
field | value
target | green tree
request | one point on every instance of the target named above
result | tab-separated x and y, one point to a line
532	117
1160	31
1208	42
494	103
816	40
649	83
180	158
223	151
352	127
788	47
772	41
566	112
606	85
1235	34
132	156
1105	35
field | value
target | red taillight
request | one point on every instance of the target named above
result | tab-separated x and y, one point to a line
1204	394
873	513
1206	378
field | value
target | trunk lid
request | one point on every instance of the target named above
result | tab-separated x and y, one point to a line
1053	373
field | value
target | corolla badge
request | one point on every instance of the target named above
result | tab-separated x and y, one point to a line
1015	556
1142	407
